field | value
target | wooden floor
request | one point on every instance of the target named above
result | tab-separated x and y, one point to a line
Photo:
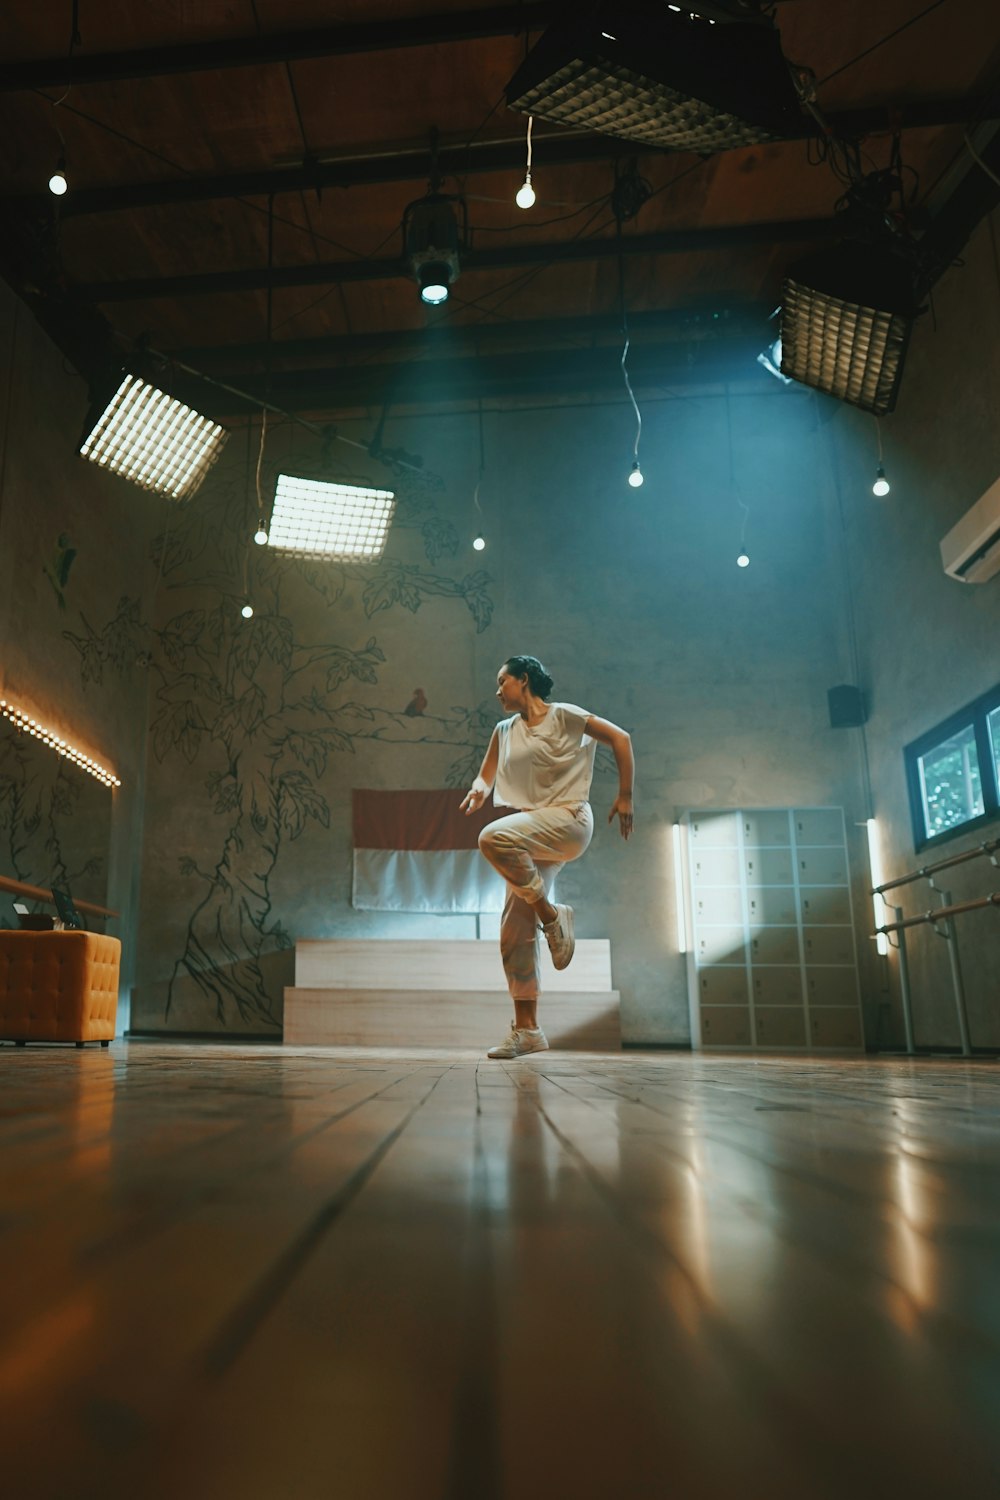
248	1273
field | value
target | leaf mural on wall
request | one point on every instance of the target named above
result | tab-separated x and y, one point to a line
263	709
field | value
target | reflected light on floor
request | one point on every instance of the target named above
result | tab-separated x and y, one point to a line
914	1261
41	1343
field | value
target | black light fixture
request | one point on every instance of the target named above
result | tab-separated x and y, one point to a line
846	317
432	239
683	79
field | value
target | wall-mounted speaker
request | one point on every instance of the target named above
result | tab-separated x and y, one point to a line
847	706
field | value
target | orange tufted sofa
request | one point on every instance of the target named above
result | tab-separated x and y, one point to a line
58	987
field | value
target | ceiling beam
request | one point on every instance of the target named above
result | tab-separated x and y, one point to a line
276	47
552	374
261	50
710	320
556	149
505	257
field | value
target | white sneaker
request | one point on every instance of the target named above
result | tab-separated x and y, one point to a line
520	1042
559	936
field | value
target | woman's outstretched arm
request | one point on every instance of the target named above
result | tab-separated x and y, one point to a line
620	742
483	784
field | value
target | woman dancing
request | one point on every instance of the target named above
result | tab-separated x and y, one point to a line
540	760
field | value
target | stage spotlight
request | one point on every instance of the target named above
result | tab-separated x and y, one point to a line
881	485
661	76
312	518
846	316
431	245
434	281
151	438
635	475
57	182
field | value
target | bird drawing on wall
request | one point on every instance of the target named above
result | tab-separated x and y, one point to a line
58	571
417	704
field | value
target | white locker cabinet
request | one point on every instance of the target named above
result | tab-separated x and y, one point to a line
725	1026
768	867
818	825
830	986
721	945
772	905
777	986
775	945
723	985
773	962
828	945
827	906
719	904
822	866
765	827
715	866
714	829
780	1026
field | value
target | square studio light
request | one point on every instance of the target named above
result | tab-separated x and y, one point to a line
660	76
152	439
846	317
340	522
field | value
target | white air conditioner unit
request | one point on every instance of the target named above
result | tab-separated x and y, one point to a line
971	550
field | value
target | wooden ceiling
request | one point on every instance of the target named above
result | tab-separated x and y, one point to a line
207	139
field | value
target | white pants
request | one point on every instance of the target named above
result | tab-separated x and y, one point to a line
529	849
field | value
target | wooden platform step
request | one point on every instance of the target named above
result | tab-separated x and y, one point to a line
438	965
365	1017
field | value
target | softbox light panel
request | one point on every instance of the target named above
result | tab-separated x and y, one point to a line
846	316
645	73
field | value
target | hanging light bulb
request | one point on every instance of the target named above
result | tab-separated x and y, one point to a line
479	544
526	193
881	485
635	476
247	611
57	182
260	536
743	561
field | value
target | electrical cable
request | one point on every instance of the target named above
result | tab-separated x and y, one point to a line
881	43
636	470
482	469
187	172
734	485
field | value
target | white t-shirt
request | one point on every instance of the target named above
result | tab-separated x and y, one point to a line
548	766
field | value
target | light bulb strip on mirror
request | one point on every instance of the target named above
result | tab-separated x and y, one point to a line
26	725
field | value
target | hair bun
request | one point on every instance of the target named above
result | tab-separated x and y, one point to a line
530	667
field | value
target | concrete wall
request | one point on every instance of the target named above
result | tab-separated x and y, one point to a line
632	598
928	645
65	652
